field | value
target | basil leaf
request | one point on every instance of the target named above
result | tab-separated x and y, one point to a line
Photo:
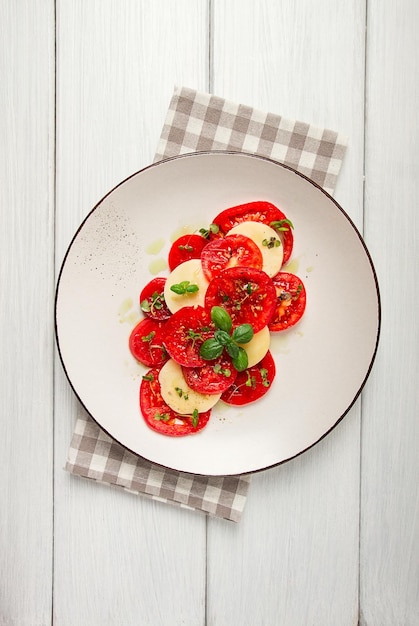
241	361
211	349
243	333
221	318
232	349
222	337
179	289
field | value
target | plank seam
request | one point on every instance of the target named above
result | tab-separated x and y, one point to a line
359	623
54	213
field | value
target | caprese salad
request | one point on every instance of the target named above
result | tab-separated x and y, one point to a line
205	335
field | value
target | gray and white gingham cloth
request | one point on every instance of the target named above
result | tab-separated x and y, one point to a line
197	122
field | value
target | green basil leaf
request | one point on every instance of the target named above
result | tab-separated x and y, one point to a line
232	349
222	337
211	349
221	318
241	361
179	289
184	287
243	333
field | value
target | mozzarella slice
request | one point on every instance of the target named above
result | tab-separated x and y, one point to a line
267	240
258	346
178	395
188	271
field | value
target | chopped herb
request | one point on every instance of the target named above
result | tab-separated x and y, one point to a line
264	374
194	335
251	381
297	293
181	393
149	337
270	243
220	370
195	418
282	225
148	377
164	417
213	228
155	301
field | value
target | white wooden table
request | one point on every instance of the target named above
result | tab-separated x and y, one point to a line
328	539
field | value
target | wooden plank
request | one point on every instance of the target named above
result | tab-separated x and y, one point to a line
390	427
26	308
294	557
119	559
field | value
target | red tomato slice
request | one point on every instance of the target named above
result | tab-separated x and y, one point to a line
213	377
146	342
185	248
291	301
247	294
152	300
251	384
259	211
186	331
230	251
160	417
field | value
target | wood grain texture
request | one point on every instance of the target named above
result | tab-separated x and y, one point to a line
390	426
119	559
26	297
328	539
299	535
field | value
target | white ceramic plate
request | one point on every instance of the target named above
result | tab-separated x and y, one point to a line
322	363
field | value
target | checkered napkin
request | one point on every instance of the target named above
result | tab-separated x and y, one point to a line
198	122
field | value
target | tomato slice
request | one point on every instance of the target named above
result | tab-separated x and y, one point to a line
260	211
185	248
230	251
247	294
152	300
291	301
186	330
160	417
251	384
146	342
213	377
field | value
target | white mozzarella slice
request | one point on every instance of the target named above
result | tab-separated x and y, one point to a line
267	240
190	271
258	346
178	395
